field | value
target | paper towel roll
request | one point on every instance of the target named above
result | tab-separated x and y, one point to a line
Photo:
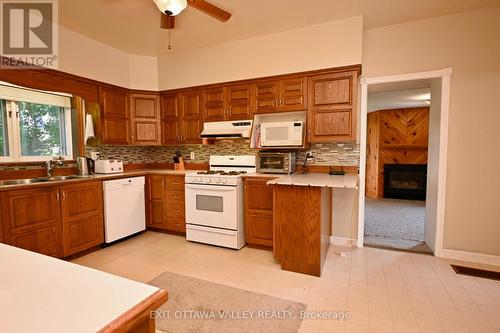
89	127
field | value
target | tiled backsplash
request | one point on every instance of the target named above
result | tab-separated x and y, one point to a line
346	153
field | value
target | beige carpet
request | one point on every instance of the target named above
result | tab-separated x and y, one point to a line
196	305
397	224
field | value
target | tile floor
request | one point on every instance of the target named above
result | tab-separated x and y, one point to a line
385	291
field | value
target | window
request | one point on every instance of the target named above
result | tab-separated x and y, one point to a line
34	125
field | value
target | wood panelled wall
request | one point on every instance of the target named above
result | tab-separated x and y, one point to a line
398	136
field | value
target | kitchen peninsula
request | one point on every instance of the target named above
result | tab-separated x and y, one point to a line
302	206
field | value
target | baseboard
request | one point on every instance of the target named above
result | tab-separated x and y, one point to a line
478	258
342	241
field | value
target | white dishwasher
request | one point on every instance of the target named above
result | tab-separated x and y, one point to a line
124	208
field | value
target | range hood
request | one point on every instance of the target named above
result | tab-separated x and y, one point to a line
227	129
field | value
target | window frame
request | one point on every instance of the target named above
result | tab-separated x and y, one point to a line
14	136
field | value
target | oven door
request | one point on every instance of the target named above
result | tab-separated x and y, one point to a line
212	206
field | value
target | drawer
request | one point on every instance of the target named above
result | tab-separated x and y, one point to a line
175	210
175	182
176	224
175	197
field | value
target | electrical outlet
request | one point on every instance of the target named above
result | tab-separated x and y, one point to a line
192	155
94	155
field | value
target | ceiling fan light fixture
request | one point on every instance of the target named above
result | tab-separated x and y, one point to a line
171	7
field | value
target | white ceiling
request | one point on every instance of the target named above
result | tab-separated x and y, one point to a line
134	25
398	99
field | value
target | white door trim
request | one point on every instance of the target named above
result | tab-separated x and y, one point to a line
443	74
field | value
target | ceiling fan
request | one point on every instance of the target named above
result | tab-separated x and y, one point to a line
171	8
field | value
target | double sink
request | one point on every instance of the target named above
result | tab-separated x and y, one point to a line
39	180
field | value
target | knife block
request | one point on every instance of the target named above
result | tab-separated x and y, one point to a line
180	165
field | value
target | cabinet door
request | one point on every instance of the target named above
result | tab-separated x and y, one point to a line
82	216
191	102
239	101
170	119
170	106
115	131
258	210
266	96
191	130
114	103
171	131
330	125
293	94
213	104
115	120
332	91
156	201
145	119
32	219
46	240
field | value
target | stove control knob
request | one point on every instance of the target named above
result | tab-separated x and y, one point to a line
208	180
198	180
217	180
223	181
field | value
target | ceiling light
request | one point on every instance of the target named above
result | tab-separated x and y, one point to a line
171	7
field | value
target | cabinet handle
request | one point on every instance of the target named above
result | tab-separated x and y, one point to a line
64	195
57	196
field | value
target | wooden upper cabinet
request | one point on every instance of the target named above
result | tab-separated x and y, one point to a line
293	94
145	119
282	95
332	107
239	102
170	106
191	121
332	91
181	119
214	106
191	102
266	96
170	118
114	116
191	130
228	103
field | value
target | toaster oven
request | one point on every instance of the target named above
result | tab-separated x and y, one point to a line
276	162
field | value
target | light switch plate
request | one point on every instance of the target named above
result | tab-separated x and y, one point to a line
192	155
94	155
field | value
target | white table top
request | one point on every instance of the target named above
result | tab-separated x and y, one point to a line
44	294
317	179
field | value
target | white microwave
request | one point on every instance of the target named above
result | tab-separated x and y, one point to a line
282	134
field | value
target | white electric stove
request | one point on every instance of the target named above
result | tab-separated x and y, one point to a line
214	201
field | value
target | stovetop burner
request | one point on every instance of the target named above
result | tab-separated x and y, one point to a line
221	173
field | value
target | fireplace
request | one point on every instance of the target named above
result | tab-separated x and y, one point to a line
405	181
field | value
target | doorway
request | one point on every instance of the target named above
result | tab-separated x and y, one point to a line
402	179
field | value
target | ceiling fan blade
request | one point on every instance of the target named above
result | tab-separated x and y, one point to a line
167	22
210	9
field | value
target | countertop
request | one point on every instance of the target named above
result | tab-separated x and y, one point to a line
44	294
318	180
131	173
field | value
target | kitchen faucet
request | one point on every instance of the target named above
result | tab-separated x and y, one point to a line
51	164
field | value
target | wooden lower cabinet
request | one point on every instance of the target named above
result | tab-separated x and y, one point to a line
166	209
58	221
258	211
82	216
302	227
31	219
